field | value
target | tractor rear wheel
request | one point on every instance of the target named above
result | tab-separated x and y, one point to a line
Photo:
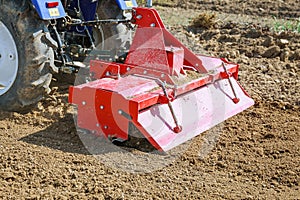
112	35
107	36
25	57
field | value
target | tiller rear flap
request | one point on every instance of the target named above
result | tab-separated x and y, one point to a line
162	90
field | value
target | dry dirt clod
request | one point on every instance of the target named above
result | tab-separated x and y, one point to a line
269	41
282	43
3	125
284	55
8	176
254	33
243	59
235	31
271	68
296	55
272	52
229	38
209	34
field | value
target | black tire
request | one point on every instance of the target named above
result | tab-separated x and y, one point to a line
35	56
107	36
116	35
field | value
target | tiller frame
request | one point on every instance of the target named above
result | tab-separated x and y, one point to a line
165	91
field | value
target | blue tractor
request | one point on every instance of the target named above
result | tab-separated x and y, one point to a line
151	85
40	37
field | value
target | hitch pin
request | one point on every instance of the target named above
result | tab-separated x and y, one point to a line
235	99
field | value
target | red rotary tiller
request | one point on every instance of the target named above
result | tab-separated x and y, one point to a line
166	92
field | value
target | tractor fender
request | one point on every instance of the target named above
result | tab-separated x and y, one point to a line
49	9
127	4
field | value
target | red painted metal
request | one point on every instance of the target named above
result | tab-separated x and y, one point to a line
168	93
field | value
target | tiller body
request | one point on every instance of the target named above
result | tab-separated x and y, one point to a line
162	90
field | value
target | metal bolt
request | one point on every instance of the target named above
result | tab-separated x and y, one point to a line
171	48
197	65
11	56
162	75
101	107
128	69
98	125
139	17
152	25
145	72
120	112
105	127
84	103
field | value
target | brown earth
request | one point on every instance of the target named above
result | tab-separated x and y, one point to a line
257	153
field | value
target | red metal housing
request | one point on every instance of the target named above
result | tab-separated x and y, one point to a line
168	93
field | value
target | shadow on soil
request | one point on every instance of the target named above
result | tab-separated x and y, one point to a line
62	135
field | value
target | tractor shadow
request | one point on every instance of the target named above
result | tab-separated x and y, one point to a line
62	135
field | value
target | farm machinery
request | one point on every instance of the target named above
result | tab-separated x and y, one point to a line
146	82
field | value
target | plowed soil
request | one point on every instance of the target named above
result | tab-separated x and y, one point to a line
256	156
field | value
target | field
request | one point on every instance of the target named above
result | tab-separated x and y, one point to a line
254	155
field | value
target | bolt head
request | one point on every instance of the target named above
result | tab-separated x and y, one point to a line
177	129
11	56
236	100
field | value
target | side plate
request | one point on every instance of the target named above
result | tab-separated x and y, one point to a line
197	112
